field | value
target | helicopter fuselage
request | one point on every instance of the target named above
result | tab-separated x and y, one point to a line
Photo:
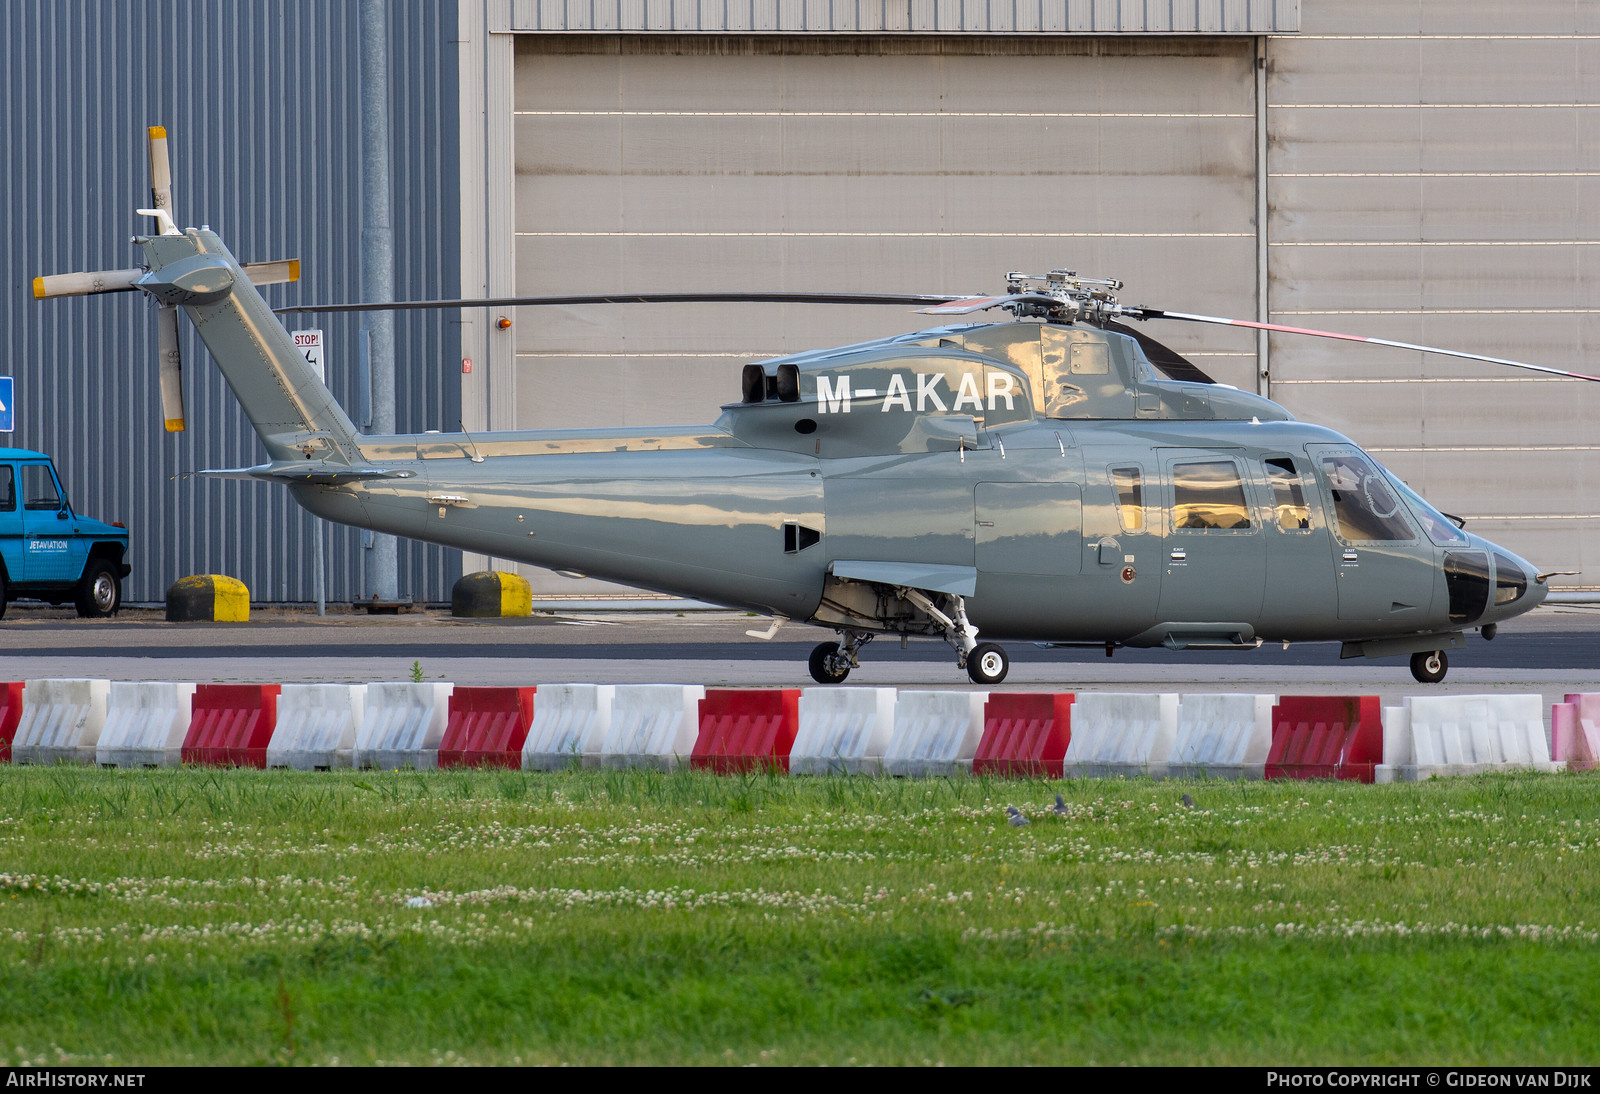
1023	480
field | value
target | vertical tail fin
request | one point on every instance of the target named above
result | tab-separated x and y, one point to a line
291	409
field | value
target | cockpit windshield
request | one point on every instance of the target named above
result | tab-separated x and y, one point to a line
1440	528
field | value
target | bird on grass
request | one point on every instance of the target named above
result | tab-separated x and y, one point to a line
1060	807
1188	802
1015	818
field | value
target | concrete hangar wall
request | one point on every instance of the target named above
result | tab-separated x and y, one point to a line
261	99
1422	170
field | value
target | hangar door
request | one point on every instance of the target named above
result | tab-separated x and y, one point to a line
661	163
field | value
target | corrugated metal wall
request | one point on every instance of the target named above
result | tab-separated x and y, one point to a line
261	102
910	16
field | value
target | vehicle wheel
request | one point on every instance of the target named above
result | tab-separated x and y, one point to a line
5	596
99	591
1429	668
826	666
987	663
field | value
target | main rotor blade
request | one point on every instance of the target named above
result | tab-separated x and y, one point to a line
632	298
966	305
1156	313
1174	364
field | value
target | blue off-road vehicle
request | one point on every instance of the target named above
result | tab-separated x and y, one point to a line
48	552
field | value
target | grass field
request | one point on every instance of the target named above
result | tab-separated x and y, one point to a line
191	916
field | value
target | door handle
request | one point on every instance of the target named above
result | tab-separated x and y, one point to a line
1349	555
1179	554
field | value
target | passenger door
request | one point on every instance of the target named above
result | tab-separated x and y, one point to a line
1300	583
1215	565
1124	542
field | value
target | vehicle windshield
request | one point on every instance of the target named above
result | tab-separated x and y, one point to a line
39	491
1440	528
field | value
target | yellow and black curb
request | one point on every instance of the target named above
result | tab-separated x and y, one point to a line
208	598
491	594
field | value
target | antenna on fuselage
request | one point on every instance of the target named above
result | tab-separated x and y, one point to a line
476	456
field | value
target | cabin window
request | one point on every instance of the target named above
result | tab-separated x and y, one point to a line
1130	497
1367	508
8	489
1208	496
1288	500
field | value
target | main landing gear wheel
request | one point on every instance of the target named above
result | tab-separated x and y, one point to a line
1429	667
828	665
987	663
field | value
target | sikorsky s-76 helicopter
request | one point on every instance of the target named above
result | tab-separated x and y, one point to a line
1059	478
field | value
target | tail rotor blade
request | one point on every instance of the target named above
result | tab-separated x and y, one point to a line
272	273
1156	313
171	360
160	170
85	284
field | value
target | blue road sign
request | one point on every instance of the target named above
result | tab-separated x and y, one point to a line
8	407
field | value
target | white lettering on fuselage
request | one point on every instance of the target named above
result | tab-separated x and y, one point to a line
834	395
831	399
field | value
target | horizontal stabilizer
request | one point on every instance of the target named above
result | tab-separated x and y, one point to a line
323	474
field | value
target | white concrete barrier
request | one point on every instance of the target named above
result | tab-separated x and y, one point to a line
61	721
569	727
935	733
1121	733
317	726
652	725
843	731
1222	736
145	724
401	726
1463	735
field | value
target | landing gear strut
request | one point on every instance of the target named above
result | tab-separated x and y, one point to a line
1429	666
986	663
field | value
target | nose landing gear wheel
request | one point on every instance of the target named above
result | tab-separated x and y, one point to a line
987	663
828	665
1429	667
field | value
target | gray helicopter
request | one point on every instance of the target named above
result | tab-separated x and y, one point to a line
1059	478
